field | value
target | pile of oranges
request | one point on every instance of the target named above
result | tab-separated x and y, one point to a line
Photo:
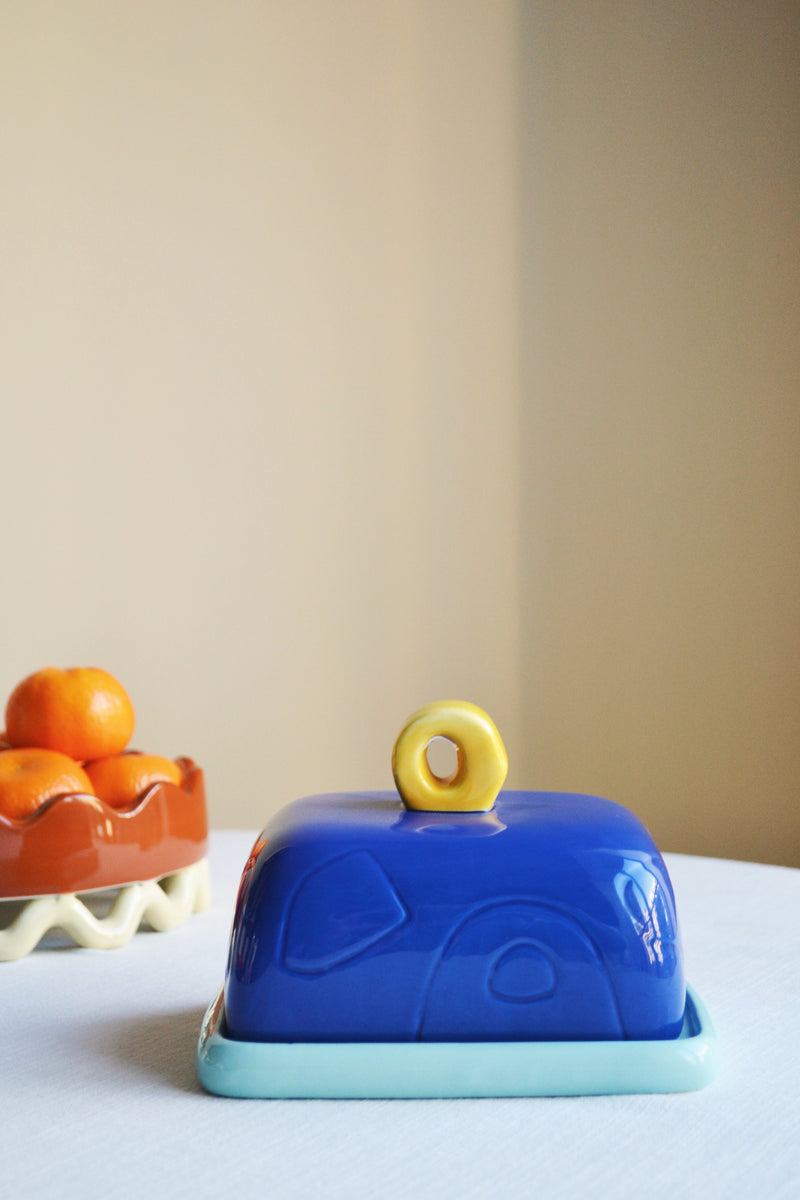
67	731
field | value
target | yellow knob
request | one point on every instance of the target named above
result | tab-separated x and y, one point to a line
482	762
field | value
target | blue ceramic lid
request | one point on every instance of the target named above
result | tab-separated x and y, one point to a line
513	916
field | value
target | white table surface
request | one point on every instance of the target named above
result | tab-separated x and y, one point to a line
98	1095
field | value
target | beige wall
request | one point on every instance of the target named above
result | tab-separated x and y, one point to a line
358	354
259	373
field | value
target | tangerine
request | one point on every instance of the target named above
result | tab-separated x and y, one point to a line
121	779
82	711
30	776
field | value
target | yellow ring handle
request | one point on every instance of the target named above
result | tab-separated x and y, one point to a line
482	759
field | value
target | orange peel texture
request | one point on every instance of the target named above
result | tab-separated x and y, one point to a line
81	711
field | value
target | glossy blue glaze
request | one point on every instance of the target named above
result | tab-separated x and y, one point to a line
549	918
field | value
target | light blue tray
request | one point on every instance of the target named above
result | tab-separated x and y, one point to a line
441	1070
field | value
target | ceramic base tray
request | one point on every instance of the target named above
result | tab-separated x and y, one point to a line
423	1070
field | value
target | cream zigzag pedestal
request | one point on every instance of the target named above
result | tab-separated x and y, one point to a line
160	903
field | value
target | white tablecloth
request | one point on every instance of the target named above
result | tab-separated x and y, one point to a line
98	1096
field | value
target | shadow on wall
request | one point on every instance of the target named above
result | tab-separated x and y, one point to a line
659	451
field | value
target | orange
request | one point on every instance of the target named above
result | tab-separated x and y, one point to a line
122	779
82	712
29	777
